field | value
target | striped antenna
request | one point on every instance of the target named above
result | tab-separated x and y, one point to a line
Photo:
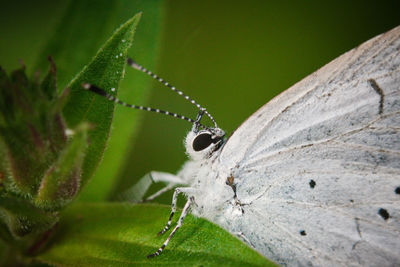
99	91
136	66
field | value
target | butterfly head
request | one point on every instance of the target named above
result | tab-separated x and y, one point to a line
201	144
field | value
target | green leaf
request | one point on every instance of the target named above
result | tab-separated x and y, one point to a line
119	234
85	26
135	88
105	71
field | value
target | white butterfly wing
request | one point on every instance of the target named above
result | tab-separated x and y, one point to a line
319	165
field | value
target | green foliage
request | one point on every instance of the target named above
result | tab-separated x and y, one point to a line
33	141
135	88
84	27
119	234
105	71
32	130
46	158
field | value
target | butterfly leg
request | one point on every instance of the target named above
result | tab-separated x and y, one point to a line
181	218
185	190
136	193
244	238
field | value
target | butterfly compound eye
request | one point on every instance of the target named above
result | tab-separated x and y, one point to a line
202	141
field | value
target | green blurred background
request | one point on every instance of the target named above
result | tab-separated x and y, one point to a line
231	56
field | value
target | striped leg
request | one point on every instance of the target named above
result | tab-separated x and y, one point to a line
183	215
177	191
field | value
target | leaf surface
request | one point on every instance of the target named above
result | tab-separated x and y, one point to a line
105	71
120	234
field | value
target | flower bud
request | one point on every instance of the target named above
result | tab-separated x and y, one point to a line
40	165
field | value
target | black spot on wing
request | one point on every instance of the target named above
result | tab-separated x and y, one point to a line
312	184
302	232
384	213
397	190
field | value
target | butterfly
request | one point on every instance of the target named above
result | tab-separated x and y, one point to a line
313	177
